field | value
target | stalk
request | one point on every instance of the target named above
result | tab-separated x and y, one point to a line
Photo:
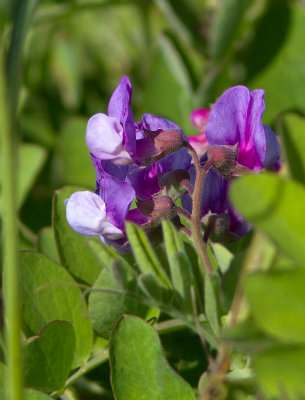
10	245
200	245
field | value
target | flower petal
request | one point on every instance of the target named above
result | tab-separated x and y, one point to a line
117	195
273	150
228	117
86	214
119	108
104	138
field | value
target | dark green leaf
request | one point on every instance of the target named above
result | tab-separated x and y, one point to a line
74	252
113	294
47	357
275	205
281	76
277	303
138	367
50	293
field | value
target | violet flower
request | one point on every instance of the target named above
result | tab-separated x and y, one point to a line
112	137
235	119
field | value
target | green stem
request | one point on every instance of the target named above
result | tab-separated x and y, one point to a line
195	220
10	245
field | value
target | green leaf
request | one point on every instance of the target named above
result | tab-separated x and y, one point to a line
282	76
280	372
74	252
223	256
211	295
113	294
47	357
293	136
144	254
30	394
73	165
31	160
275	205
46	243
277	303
139	369
50	293
225	25
179	263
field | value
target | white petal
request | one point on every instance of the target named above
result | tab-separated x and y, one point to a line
86	214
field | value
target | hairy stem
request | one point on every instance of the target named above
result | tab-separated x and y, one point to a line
200	245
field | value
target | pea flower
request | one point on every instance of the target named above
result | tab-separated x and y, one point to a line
235	120
116	137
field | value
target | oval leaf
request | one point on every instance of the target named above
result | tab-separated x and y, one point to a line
50	293
47	357
139	369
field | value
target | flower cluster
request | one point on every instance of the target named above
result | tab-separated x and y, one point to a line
143	167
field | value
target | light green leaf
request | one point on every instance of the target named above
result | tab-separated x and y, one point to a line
74	252
46	243
275	205
293	134
144	254
50	293
225	25
277	302
211	295
139	369
47	357
31	394
179	263
73	165
114	293
280	372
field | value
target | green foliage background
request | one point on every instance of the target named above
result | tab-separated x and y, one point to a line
179	55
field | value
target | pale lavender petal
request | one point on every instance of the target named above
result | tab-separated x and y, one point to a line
86	214
104	138
119	108
273	150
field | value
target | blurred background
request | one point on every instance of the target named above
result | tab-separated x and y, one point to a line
179	55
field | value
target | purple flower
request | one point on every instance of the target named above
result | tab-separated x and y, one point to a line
112	136
235	119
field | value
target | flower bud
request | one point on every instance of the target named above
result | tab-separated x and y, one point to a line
223	159
157	208
157	145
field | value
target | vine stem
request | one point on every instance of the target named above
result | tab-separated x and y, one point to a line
13	384
200	245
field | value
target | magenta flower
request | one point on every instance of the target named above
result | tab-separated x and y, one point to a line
199	119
